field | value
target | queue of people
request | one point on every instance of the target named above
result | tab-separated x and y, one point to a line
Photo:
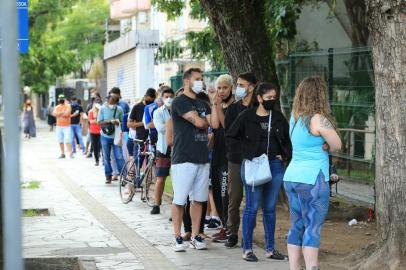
220	149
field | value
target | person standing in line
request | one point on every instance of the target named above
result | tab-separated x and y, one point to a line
94	98
76	129
190	157
94	130
149	113
110	116
163	151
246	84
136	126
306	181
219	163
51	119
62	113
262	130
116	92
29	128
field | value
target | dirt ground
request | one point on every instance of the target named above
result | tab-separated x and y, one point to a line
338	240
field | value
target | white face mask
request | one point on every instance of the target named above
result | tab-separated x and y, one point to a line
168	102
197	87
240	92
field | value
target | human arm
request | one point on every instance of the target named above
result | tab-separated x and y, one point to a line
169	132
321	126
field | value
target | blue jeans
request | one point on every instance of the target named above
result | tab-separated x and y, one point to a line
107	146
267	194
77	129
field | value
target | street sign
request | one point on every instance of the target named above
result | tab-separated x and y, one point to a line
22	12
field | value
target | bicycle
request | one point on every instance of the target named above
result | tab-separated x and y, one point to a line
133	179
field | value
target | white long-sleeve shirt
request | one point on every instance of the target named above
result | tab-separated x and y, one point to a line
161	115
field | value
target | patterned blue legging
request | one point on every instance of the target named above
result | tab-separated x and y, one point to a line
308	206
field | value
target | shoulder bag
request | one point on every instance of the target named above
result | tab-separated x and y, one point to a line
257	171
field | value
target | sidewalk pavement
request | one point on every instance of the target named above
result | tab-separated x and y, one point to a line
90	221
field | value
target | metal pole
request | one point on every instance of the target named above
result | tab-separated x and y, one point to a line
11	164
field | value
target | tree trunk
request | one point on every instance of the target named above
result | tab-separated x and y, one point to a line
387	24
240	28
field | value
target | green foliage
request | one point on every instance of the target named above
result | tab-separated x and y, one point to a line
63	35
172	8
205	44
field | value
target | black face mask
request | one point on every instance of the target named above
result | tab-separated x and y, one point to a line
228	98
268	104
148	102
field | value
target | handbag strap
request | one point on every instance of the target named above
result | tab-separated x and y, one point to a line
114	114
269	132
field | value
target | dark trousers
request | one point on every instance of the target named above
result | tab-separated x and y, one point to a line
219	186
187	221
95	139
235	193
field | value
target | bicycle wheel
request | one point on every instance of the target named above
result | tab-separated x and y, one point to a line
150	186
126	184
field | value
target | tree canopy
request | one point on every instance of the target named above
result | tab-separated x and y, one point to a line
63	36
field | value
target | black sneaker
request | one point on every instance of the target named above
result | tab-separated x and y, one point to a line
249	256
214	224
275	255
155	210
62	156
96	164
232	241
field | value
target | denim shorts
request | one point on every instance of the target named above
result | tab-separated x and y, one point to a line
308	206
190	179
64	134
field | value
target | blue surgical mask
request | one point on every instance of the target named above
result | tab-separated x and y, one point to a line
240	93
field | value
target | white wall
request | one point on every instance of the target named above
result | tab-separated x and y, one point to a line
121	73
314	24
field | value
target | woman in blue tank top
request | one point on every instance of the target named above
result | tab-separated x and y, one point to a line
313	135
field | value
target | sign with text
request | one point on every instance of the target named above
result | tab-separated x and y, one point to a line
22	13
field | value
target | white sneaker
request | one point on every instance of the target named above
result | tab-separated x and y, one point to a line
197	243
179	246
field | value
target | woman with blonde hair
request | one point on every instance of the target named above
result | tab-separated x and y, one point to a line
313	135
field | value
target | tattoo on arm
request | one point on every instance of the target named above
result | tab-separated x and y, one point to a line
325	123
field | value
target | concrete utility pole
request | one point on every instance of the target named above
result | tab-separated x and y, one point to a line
11	163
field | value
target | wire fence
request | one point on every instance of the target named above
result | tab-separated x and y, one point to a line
349	77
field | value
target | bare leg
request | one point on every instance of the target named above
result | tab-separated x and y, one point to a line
311	256
177	214
69	147
62	147
294	253
159	189
213	209
196	215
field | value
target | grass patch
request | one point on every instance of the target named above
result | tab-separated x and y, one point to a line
31	185
35	212
363	176
168	185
